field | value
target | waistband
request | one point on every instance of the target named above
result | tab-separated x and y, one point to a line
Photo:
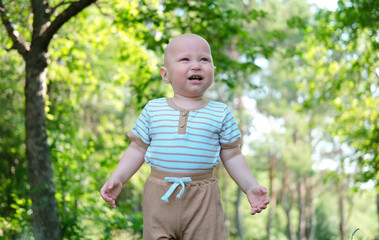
195	176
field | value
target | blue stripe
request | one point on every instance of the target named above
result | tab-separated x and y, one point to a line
198	148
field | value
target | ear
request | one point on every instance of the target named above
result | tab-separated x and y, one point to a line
214	69
164	74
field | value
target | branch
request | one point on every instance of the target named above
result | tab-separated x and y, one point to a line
374	71
18	43
98	5
53	9
63	17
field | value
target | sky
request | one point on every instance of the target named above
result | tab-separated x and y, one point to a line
328	4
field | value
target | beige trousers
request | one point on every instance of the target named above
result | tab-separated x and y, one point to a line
196	215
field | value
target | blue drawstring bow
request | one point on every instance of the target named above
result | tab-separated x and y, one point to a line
176	182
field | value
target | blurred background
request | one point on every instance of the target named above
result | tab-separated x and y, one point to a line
301	78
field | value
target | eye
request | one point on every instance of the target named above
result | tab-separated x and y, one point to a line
184	59
204	60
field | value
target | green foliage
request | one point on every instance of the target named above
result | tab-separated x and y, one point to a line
89	114
105	67
338	59
356	15
14	199
223	23
325	228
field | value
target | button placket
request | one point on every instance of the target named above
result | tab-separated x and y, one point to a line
183	122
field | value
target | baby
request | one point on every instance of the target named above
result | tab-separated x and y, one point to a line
183	138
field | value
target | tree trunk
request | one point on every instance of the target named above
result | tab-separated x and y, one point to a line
310	212
341	208
272	159
46	222
239	222
302	210
290	231
287	202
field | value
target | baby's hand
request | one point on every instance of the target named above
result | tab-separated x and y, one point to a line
110	191
258	198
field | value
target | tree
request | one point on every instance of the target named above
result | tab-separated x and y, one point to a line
289	147
344	75
338	68
103	69
13	163
47	20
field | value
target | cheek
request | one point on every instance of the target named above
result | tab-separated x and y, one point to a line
209	70
179	71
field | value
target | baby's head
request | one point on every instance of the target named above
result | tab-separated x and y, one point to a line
184	40
188	65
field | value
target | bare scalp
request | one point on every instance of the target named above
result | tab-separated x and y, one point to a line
171	45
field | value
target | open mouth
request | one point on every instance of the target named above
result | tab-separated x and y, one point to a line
195	78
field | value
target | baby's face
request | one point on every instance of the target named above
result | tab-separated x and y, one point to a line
188	66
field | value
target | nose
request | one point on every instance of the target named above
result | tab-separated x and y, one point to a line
195	65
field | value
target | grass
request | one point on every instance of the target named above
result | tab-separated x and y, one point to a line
355	231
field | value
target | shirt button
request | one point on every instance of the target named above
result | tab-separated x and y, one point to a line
182	125
184	114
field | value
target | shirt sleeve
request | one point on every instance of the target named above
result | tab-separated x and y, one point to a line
230	135
140	133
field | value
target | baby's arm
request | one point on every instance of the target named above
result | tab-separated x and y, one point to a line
237	167
131	161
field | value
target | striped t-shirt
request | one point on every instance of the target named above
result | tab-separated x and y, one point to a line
182	140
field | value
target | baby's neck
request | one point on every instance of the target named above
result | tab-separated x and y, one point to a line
188	103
